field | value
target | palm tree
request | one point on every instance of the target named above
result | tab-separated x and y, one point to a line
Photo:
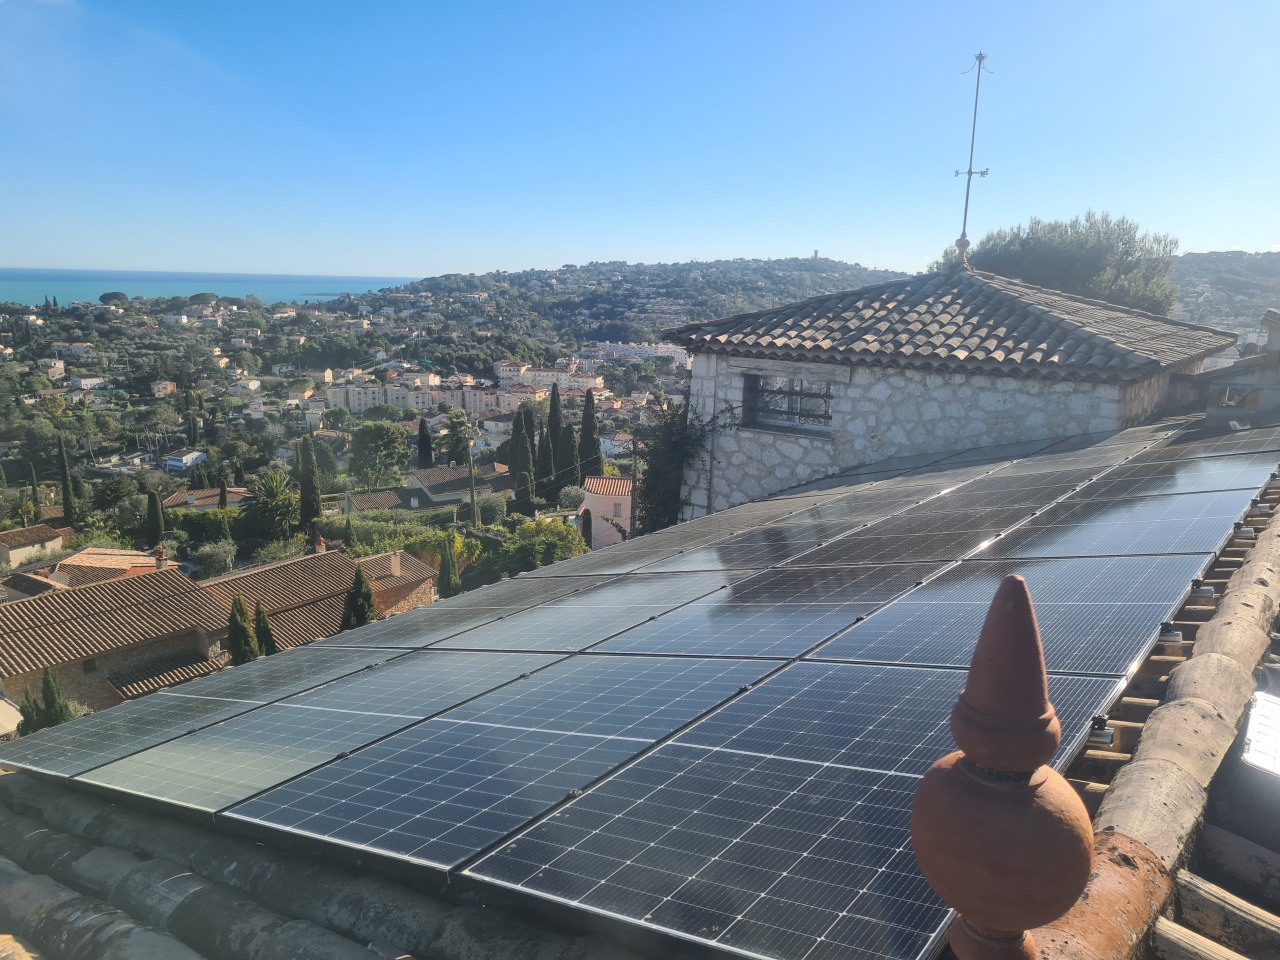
276	503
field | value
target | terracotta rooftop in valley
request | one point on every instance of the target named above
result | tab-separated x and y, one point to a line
290	583
28	536
608	486
96	564
236	496
962	320
72	624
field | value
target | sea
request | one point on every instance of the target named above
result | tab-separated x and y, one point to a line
31	286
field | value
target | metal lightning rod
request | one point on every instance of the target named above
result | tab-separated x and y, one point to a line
963	243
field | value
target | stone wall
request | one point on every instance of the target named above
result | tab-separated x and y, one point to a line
882	412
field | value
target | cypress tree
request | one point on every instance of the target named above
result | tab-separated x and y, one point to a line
555	428
262	630
584	527
530	425
32	714
523	502
567	467
545	470
308	487
193	430
359	608
425	461
56	707
238	473
153	529
36	514
222	494
513	445
242	642
4	482
350	534
64	476
450	584
590	459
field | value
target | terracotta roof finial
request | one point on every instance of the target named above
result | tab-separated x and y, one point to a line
999	836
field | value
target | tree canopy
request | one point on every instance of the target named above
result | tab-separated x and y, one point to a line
379	452
1092	256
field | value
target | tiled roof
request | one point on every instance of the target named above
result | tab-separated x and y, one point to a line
28	584
71	624
608	486
163	672
441	478
966	321
290	583
236	496
382	500
96	564
28	536
313	621
378	569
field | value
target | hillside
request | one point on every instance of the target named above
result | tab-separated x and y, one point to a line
1231	289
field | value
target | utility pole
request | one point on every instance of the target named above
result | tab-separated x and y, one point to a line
962	244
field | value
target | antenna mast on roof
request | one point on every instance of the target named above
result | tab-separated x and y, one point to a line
963	243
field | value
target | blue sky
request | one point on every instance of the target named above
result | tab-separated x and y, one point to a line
416	138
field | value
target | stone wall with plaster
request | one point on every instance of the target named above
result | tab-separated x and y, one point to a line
882	412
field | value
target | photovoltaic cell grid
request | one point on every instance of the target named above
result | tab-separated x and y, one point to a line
1190	447
751	830
776	613
426	625
575	622
1181	523
442	791
1097	615
1242	472
233	760
99	738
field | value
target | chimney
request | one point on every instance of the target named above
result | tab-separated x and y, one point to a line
191	498
395	563
161	560
320	547
1271	323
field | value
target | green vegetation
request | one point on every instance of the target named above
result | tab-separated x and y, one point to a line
665	448
262	631
359	609
242	642
50	710
1091	256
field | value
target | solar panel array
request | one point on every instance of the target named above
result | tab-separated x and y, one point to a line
713	732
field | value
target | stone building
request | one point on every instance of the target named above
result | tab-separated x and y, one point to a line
21	545
929	364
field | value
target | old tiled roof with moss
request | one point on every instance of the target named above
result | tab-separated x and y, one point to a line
966	321
68	625
288	584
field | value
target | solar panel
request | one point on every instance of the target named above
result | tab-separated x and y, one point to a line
99	738
1247	471
285	673
445	789
1181	523
800	853
1194	445
997	453
1096	614
777	613
1021	490
761	548
226	763
906	548
576	622
426	625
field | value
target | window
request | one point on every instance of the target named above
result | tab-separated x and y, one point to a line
617	511
787	403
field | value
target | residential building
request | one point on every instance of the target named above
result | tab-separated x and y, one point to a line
99	564
934	362
19	546
245	388
161	389
452	484
609	500
184	459
88	383
52	368
207	499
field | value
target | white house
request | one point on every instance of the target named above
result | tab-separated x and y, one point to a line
245	388
927	364
88	383
609	500
183	459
